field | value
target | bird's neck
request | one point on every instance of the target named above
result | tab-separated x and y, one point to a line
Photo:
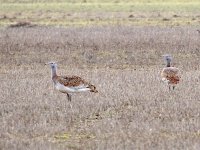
53	72
168	64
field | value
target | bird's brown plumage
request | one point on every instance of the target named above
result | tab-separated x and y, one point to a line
173	79
70	80
171	75
73	81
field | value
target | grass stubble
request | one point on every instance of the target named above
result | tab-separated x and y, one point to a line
133	109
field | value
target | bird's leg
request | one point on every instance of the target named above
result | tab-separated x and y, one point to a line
169	88
69	97
173	87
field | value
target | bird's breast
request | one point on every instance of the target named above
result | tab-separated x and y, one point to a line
66	89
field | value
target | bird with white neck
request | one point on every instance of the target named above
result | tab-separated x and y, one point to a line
69	84
169	74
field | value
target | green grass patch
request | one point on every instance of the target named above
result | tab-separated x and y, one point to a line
56	13
97	1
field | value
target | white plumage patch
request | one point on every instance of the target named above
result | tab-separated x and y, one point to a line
165	80
65	89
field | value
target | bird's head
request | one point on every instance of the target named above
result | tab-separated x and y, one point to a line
52	64
167	57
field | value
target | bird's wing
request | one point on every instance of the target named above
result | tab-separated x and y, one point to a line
170	71
171	75
72	81
173	79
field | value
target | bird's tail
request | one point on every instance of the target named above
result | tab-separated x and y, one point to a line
174	79
93	88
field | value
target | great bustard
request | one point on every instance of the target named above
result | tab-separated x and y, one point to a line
170	75
69	84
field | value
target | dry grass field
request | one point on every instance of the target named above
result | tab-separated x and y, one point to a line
133	109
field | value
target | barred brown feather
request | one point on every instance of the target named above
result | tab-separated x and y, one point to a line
173	79
71	81
171	74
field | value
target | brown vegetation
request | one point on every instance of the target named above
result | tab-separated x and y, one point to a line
21	24
133	109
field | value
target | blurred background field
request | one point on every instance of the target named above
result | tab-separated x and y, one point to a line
94	12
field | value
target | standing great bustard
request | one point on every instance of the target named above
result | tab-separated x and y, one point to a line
69	84
170	75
